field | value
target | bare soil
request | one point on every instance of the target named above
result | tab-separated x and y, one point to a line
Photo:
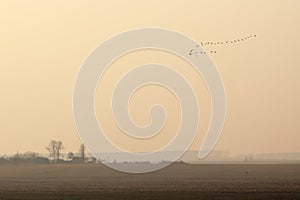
178	181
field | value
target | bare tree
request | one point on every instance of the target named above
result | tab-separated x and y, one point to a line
52	149
30	155
55	148
59	148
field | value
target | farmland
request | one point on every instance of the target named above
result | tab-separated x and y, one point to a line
178	181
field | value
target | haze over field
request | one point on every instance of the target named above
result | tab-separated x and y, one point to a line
254	45
43	44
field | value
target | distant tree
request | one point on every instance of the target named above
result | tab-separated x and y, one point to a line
55	148
52	149
82	151
59	148
28	157
70	156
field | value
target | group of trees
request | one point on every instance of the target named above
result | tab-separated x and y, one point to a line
55	149
27	157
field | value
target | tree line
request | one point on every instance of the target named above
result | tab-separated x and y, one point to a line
55	149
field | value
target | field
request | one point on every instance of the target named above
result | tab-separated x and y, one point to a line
178	181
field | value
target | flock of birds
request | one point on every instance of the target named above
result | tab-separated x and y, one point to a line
196	51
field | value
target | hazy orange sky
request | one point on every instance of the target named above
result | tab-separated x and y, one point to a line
43	43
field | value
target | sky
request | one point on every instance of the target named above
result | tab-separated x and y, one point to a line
44	43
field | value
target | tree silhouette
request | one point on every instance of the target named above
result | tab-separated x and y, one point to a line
55	148
70	156
82	151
